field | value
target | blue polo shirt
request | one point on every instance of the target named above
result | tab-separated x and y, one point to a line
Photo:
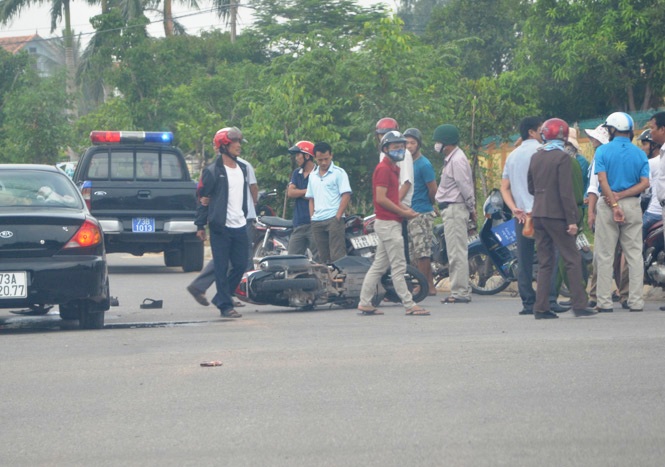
301	207
423	173
327	191
623	162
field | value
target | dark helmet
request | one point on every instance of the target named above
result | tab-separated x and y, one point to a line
385	125
305	147
645	137
225	136
554	128
415	134
448	135
392	137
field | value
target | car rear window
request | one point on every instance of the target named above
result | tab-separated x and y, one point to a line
135	165
26	188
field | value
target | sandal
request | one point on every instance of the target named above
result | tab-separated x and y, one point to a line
151	303
452	299
238	303
369	311
417	311
231	314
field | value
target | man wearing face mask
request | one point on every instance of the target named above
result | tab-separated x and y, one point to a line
457	202
406	175
388	226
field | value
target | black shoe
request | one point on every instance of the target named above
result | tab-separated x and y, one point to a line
585	312
615	297
198	295
605	310
526	311
592	304
637	309
557	308
624	304
544	315
662	308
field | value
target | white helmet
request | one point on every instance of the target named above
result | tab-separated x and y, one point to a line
621	121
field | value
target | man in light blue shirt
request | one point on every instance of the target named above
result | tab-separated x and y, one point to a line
623	173
329	193
515	192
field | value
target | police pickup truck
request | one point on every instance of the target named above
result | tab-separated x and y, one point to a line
138	187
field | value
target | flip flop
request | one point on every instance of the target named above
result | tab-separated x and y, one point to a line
452	299
231	314
150	303
369	311
417	311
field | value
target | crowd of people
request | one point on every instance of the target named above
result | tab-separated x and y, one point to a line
546	183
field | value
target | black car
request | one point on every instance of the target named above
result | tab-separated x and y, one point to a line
51	248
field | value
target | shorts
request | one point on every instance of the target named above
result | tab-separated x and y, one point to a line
420	236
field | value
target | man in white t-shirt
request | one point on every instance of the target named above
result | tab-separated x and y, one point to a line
225	182
197	288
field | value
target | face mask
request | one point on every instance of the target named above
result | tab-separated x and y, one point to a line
438	147
397	154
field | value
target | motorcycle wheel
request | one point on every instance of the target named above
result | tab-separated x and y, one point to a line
416	282
484	278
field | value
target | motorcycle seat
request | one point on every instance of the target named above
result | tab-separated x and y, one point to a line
274	221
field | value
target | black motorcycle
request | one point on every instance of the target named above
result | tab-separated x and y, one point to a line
295	281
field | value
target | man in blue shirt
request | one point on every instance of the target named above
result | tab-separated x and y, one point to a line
424	189
329	193
623	173
301	238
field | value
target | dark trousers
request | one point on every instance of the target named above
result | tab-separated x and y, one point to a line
228	246
551	234
525	253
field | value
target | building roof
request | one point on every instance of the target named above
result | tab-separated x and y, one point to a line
15	44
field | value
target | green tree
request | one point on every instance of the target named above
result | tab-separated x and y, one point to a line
485	32
35	124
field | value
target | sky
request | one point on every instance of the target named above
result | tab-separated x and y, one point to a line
37	19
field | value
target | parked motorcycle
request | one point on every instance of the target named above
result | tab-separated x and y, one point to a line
654	256
360	237
295	281
271	237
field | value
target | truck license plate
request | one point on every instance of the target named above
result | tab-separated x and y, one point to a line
143	224
13	284
365	241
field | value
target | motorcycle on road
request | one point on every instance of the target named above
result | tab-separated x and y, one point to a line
297	282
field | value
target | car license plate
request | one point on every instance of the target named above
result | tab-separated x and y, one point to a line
581	241
143	224
13	284
365	241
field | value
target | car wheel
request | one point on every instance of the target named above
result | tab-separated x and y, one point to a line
172	258
69	311
192	256
89	317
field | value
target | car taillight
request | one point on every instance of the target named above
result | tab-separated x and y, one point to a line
86	191
87	235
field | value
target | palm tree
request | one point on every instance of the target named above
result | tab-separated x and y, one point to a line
228	11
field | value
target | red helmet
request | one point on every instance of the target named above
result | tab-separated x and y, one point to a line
385	125
227	135
554	128
306	147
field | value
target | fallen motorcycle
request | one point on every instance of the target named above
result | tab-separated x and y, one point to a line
295	281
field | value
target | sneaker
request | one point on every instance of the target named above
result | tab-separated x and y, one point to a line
198	295
526	311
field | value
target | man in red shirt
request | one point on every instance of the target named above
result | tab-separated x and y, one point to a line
388	227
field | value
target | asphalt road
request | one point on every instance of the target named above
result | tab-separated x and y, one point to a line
471	385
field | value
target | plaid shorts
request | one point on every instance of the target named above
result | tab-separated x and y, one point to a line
420	236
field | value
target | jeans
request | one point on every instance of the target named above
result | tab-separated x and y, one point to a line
229	245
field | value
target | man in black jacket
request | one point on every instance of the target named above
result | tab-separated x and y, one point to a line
225	183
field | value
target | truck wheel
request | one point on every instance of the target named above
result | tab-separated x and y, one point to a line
192	256
172	258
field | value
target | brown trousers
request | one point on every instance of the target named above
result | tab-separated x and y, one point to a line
551	233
